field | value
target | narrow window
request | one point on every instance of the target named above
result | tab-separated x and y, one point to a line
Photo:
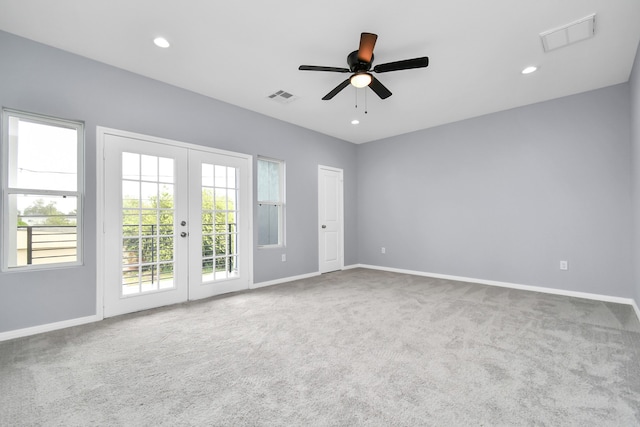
42	163
270	202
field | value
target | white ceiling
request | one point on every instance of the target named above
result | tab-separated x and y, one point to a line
242	51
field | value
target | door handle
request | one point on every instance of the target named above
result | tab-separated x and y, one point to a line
184	234
324	226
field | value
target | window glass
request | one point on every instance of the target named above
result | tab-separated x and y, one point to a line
268	224
270	202
44	156
268	180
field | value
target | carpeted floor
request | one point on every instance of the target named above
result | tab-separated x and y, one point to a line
357	347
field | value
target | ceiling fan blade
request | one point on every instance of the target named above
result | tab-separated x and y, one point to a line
367	42
406	64
380	89
335	91
319	68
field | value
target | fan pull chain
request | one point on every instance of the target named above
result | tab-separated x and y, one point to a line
365	100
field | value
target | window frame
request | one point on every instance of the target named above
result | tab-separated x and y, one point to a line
279	203
7	190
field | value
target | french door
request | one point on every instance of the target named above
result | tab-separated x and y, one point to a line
218	241
175	223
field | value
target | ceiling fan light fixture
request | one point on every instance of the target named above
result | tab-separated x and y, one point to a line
361	80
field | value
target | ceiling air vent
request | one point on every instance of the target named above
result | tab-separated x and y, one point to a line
282	97
568	34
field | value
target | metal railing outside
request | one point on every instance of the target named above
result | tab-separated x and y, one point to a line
50	242
142	251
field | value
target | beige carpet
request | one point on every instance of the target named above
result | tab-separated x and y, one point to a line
358	347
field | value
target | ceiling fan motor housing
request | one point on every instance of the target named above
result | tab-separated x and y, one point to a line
356	65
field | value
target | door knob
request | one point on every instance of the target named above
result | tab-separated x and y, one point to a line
184	234
183	223
324	226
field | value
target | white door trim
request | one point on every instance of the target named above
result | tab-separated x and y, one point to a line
101	132
340	172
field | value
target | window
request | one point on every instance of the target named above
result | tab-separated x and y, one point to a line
270	202
42	163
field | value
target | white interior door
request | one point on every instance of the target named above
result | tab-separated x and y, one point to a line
176	223
330	215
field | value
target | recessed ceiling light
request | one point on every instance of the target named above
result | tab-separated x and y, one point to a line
161	42
355	121
529	70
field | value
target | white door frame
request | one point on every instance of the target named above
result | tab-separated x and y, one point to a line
340	221
100	201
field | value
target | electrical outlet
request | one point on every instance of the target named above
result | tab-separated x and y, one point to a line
284	257
383	250
564	265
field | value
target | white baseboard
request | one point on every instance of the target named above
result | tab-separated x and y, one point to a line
19	333
585	295
292	278
635	307
283	280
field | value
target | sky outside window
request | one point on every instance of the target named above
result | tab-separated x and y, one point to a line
46	159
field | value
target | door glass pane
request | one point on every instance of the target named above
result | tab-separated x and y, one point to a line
165	173
147	224
166	275
207	176
221	176
149	168
149	197
131	166
166	196
130	193
219	215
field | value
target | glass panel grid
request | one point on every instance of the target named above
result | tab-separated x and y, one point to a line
219	216
147	223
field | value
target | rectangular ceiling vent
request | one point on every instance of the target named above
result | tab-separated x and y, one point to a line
282	97
568	34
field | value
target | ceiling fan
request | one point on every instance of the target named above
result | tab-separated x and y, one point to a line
360	62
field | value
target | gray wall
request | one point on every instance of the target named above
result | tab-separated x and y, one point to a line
44	80
506	196
634	83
